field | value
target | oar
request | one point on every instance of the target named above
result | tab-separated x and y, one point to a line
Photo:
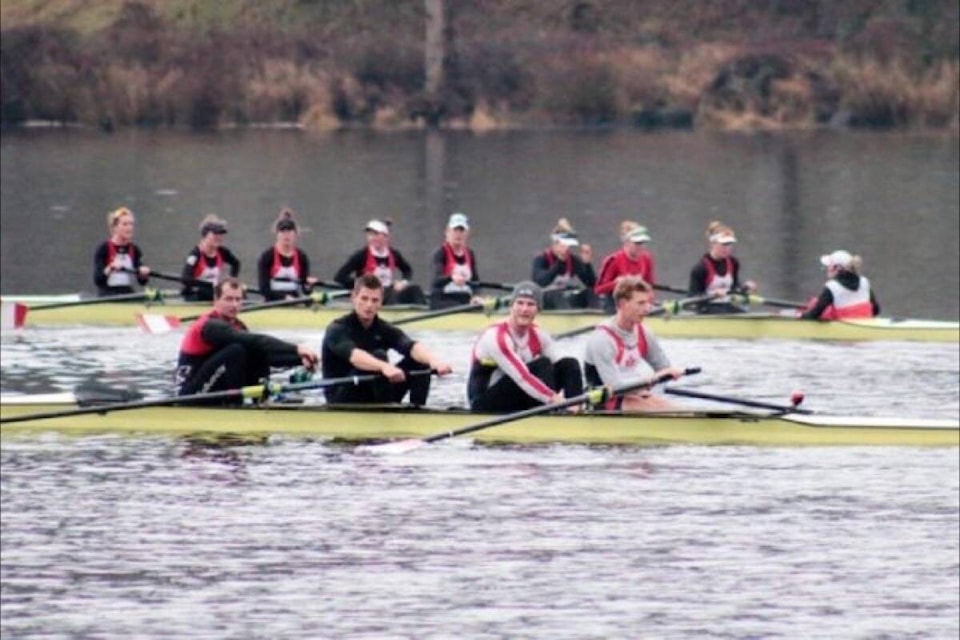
593	396
752	298
255	392
795	399
158	323
149	294
489	305
663	287
668	307
503	286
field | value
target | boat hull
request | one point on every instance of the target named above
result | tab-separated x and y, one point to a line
712	428
738	326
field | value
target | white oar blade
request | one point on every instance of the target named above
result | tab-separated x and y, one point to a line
156	323
397	447
14	315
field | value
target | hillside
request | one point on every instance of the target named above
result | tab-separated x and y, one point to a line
740	64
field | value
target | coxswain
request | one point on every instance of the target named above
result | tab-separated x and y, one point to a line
846	293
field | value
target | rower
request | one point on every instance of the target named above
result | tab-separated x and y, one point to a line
454	266
564	264
718	272
621	350
284	269
633	258
515	363
118	261
219	353
385	262
359	343
208	261
846	294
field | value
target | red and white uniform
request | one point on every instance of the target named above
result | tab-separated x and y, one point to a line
717	283
457	265
500	348
620	264
847	303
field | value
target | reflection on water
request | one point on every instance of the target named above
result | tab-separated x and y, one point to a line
893	198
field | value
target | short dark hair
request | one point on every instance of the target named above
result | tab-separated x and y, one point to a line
367	281
628	285
227	283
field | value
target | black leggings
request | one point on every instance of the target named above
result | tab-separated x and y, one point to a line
381	390
231	367
506	396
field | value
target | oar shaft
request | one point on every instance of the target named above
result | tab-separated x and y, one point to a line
463	308
123	297
690	393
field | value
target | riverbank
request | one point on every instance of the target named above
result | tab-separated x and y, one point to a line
725	64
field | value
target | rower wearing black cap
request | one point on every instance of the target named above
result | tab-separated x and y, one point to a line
209	262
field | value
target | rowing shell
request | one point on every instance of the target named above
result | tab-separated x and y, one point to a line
735	326
366	423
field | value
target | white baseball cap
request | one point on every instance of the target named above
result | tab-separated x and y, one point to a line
458	220
838	258
724	237
569	239
377	226
638	234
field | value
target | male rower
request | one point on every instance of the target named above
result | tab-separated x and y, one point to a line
621	350
359	344
515	364
219	353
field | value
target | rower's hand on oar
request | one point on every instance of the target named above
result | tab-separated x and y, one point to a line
440	368
392	372
308	356
749	286
559	398
674	372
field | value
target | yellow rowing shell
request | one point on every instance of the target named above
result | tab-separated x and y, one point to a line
738	326
374	423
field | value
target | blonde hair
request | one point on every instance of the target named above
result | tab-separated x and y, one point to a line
716	227
114	217
856	263
626	227
563	226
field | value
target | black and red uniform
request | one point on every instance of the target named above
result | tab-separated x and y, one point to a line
117	282
217	354
446	261
364	261
200	268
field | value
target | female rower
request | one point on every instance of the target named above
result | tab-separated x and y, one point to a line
846	294
454	266
118	261
284	269
380	259
631	259
209	262
718	272
557	269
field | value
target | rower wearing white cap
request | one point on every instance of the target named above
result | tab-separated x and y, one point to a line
515	365
718	272
846	294
631	259
564	264
454	266
380	259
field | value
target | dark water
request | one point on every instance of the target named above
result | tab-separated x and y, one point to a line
893	198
